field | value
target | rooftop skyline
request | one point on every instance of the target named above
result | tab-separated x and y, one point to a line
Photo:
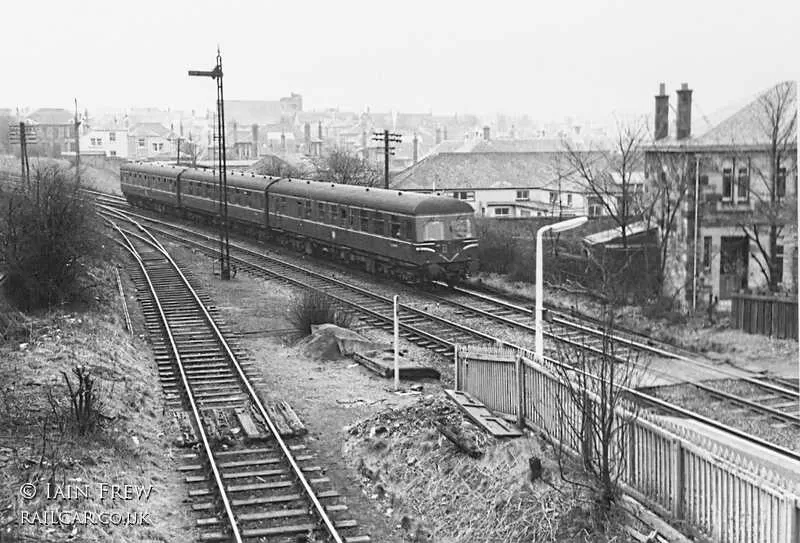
583	60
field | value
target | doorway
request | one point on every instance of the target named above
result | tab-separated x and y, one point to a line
734	252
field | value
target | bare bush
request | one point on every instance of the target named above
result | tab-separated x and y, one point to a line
314	307
47	234
84	413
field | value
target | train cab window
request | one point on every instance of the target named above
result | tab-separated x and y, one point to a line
460	228
432	231
408	229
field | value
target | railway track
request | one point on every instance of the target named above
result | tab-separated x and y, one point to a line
441	334
774	399
265	488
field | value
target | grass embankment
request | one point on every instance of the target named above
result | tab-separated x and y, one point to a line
40	444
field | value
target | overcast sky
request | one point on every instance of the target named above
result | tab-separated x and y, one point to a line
587	58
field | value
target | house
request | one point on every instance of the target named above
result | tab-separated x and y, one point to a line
55	130
150	141
502	185
737	226
107	138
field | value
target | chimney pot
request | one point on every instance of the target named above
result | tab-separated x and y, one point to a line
662	88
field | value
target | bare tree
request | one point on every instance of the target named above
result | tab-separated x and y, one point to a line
276	167
611	175
345	167
764	182
190	151
593	417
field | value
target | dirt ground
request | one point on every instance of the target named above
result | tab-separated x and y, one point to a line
409	483
39	446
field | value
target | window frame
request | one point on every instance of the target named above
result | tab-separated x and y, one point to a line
524	195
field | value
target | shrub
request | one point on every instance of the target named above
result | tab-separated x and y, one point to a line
47	233
314	307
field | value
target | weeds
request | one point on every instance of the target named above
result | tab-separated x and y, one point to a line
314	307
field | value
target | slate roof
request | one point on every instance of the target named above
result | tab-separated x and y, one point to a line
739	123
751	125
462	171
52	115
150	129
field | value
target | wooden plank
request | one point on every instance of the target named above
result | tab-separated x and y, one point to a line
482	416
248	425
294	422
278	420
383	365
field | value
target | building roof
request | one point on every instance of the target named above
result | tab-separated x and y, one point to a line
459	171
743	123
150	129
752	124
52	115
612	234
537	145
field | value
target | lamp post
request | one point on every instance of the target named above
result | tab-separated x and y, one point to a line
555	227
224	243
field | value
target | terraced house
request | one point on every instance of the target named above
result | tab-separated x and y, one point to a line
733	197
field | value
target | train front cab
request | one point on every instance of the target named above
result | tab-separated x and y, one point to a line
447	246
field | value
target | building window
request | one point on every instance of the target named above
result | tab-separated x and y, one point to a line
780	183
595	206
727	183
464	195
706	252
112	136
743	185
779	263
158	147
140	143
553	198
523	195
112	153
502	211
569	199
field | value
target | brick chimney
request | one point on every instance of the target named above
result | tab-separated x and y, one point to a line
319	130
283	142
416	147
438	135
662	113
684	123
486	133
445	133
254	132
307	137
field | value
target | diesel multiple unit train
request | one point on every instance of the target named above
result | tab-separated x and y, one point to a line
414	237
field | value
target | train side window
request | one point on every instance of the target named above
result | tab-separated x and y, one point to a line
334	213
364	226
378	224
396	231
343	216
321	211
408	228
308	209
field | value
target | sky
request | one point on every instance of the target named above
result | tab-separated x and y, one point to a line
588	59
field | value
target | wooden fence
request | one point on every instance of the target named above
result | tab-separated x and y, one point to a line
676	472
773	316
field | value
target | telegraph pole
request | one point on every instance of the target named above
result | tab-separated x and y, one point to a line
178	161
225	255
387	138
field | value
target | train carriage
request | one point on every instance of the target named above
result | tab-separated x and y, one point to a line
403	234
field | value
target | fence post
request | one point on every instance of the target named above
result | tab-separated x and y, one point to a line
631	460
792	530
677	479
455	365
518	370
